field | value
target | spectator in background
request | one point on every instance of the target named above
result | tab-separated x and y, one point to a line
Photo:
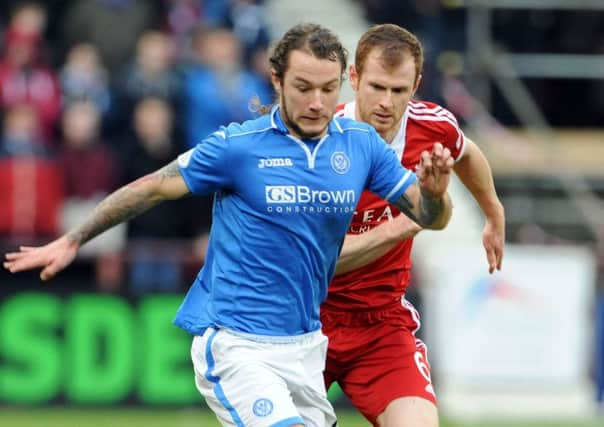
218	76
152	71
31	189
22	134
259	67
245	18
180	19
29	17
23	78
84	78
90	173
150	74
156	238
113	26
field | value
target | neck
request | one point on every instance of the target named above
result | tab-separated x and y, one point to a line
387	135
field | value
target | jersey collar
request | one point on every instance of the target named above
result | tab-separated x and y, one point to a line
277	123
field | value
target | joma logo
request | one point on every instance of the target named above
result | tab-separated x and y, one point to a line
275	162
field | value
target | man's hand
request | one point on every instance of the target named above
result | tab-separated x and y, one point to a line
493	238
434	171
52	257
475	173
427	202
362	249
127	202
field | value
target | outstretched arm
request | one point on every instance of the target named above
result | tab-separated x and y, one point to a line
361	249
474	171
424	205
131	200
125	203
427	202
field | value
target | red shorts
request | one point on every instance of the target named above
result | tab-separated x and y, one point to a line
376	358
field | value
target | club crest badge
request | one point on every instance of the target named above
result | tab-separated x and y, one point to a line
262	407
340	162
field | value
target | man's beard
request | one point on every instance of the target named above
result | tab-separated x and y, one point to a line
386	130
290	123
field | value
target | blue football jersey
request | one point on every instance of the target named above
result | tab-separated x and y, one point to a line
281	210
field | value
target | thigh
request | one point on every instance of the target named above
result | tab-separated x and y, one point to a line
346	345
238	384
308	389
395	366
409	412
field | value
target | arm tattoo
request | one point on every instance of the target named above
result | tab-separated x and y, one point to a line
123	204
405	205
120	206
171	170
430	209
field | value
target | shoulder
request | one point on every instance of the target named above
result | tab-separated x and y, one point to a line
249	128
431	113
357	136
352	126
429	122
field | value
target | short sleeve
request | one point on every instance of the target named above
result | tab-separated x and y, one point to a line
205	167
388	178
454	139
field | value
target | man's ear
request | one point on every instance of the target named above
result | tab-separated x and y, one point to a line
353	76
417	82
276	81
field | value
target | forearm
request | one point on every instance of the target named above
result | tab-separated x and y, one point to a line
356	255
491	206
435	212
125	203
475	173
362	249
130	201
427	211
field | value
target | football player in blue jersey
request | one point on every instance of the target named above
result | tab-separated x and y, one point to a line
286	186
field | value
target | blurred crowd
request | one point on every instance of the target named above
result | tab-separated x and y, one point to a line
95	93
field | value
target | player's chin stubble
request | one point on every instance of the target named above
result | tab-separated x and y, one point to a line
291	123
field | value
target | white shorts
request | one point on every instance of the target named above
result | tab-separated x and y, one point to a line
259	381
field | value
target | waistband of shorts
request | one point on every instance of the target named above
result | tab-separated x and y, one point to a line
277	339
360	318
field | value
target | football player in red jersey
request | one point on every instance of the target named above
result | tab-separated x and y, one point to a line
373	352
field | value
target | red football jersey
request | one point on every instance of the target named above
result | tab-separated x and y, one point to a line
383	281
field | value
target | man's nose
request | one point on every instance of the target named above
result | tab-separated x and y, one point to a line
386	100
316	103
